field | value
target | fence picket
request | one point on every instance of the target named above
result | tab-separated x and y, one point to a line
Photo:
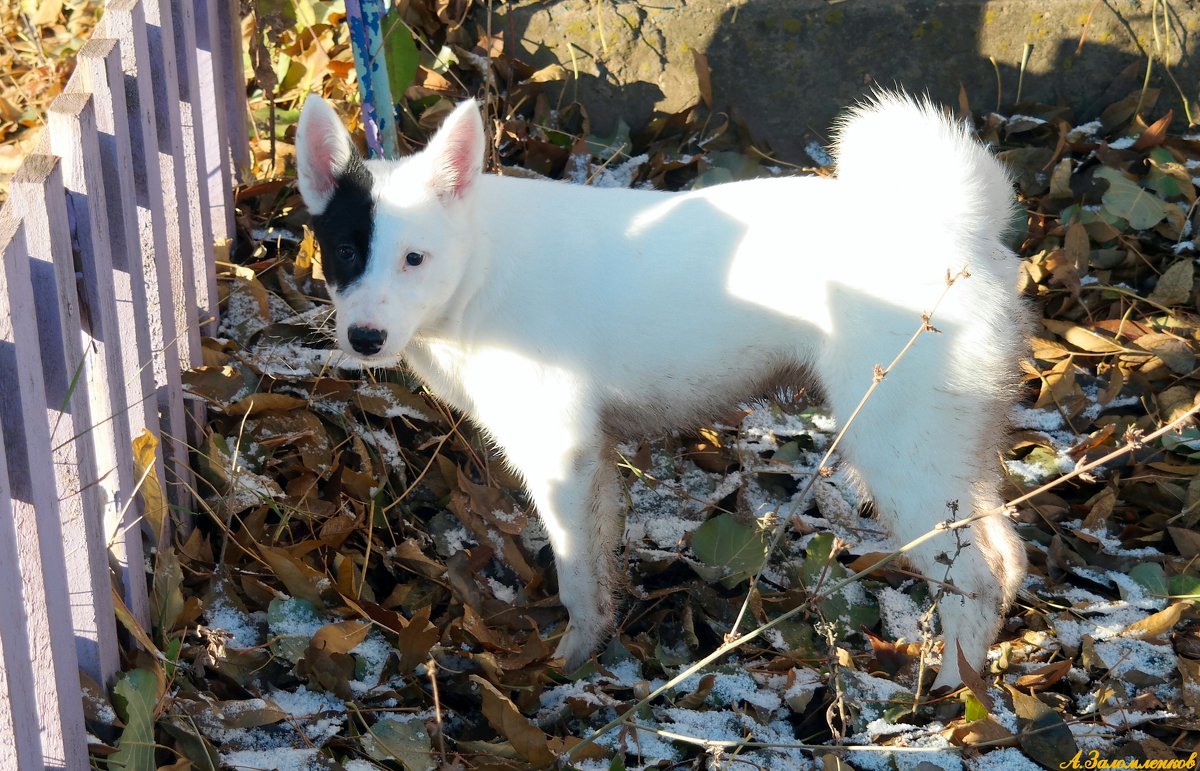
37	529
38	187
20	745
165	77
191	111
210	68
98	70
233	86
158	225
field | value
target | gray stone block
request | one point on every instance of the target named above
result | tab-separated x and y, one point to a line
788	67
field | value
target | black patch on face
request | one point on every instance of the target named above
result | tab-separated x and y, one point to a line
344	229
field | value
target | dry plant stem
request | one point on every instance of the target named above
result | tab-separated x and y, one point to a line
437	707
799	500
835	588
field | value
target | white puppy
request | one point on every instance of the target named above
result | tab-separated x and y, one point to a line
561	318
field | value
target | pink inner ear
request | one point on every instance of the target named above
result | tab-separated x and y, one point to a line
457	160
319	161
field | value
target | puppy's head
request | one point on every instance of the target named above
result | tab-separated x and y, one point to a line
394	235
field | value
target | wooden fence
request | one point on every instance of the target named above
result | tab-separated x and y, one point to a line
106	283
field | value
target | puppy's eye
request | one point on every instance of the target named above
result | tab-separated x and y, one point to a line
414	258
347	253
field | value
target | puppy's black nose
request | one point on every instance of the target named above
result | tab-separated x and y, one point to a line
366	340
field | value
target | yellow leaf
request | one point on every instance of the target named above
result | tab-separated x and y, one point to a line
308	247
341	637
1157	624
144	459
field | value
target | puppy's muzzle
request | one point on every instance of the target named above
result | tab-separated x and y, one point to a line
366	341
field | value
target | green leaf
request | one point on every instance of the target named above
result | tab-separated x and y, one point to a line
399	52
1183	443
725	542
848	612
1130	201
137	695
289	621
975	709
605	147
172	653
1151	577
789	452
1184	587
406	741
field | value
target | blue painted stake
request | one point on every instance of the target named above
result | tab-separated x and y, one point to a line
365	18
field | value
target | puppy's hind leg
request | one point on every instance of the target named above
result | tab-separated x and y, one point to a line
929	462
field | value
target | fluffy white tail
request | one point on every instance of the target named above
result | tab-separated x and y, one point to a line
909	151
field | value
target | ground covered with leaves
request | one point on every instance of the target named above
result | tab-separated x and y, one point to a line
366	585
37	56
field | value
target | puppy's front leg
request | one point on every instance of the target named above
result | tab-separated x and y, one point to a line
577	493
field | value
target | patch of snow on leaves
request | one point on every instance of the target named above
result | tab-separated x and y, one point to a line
901	616
279	759
924	737
1085	131
1111	545
311	719
1123	655
643	744
384	442
298	620
554	701
246	488
502	592
242	318
393	409
732	688
818	153
1036	419
1123	143
244	632
872	695
580	169
321	715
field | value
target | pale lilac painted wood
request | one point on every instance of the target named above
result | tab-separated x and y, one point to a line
73	137
204	283
236	110
38	532
158	226
98	72
37	190
165	78
210	71
20	744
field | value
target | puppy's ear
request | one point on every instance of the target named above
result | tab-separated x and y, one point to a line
455	153
323	151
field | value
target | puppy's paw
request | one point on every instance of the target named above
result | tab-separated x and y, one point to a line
576	646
